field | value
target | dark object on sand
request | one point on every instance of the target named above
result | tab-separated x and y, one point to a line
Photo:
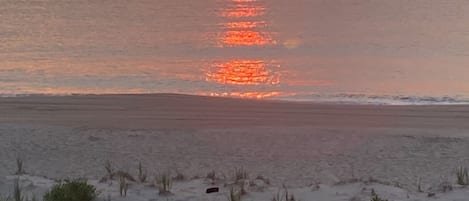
212	190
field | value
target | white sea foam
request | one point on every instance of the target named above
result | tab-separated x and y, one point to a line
380	99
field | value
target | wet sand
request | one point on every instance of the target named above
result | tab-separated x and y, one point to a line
196	112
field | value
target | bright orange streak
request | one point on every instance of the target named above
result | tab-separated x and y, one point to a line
247	37
244	11
257	95
243	1
242	72
244	25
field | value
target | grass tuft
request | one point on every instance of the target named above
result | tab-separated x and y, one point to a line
211	175
17	194
142	176
123	186
286	196
19	167
179	176
109	169
126	175
419	185
375	197
240	174
164	184
462	176
234	195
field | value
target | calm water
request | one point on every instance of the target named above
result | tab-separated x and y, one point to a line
298	49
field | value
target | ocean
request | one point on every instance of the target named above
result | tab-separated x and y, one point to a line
343	51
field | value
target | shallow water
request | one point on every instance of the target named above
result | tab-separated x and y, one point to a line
245	48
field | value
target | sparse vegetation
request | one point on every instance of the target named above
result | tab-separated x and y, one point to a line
266	181
123	186
375	197
76	190
179	176
462	176
240	174
419	185
126	175
242	188
211	175
164	184
109	169
19	167
17	194
234	195
286	196
142	176
4	198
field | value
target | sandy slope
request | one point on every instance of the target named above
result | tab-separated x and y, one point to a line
293	143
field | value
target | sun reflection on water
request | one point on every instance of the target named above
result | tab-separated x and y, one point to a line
244	28
243	72
255	94
246	38
243	10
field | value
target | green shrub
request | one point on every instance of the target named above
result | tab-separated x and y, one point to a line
76	190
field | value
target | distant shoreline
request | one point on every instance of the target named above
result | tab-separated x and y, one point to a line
335	99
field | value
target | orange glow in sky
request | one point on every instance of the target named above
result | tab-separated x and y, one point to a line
243	72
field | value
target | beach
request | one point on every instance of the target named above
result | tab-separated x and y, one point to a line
297	144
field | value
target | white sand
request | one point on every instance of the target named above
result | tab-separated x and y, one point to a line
297	144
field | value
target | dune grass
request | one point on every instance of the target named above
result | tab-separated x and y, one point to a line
17	194
234	195
375	197
164	184
142	175
419	185
123	186
240	174
286	196
109	169
211	175
19	167
179	176
462	176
